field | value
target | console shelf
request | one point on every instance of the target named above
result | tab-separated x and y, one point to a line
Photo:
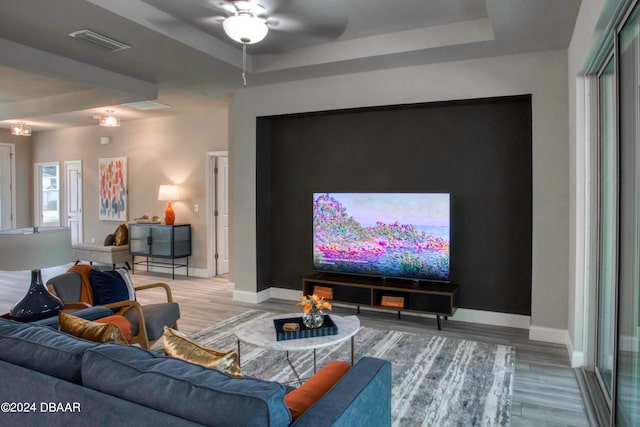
440	299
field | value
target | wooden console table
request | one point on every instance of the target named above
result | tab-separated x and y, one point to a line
440	299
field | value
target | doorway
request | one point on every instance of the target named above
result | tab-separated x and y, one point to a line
7	179
73	198
218	211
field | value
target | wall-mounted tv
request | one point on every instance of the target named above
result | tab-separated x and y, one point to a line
403	235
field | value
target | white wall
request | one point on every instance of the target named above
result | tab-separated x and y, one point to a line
544	75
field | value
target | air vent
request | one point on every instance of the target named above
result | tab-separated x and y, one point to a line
99	40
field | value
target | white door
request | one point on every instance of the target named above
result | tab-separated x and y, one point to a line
7	196
73	198
222	214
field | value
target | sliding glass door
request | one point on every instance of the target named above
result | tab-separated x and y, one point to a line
627	404
617	333
607	228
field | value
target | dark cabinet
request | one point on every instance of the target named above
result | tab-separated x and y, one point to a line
158	241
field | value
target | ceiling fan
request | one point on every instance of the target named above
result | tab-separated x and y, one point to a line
272	26
249	22
306	20
246	26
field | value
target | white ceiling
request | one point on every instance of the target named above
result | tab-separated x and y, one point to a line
180	54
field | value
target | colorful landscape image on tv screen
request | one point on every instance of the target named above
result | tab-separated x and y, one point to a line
382	234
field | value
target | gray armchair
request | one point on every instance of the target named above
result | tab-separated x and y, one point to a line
147	322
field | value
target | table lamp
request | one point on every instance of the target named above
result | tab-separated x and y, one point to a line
169	193
29	248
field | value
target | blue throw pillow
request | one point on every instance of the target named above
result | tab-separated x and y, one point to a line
108	287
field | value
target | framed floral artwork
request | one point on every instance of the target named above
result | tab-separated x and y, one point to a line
112	189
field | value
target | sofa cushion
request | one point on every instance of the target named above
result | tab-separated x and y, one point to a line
183	389
302	398
108	287
43	349
179	346
93	331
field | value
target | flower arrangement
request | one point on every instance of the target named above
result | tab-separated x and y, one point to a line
313	303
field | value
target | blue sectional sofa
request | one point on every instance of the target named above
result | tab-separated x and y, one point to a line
54	379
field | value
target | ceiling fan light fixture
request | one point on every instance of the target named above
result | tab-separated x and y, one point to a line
109	119
246	28
20	129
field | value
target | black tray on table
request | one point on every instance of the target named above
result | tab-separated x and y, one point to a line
328	328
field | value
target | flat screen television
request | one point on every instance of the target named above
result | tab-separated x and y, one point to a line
403	235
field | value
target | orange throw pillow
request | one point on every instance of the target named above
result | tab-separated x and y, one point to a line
300	399
121	322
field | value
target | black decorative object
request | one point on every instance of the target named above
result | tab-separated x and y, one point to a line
37	304
30	249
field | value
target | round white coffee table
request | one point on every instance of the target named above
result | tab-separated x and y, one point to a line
262	333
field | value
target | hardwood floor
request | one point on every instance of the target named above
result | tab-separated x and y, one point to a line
545	388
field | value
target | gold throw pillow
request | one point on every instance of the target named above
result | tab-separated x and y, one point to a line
121	236
179	346
88	330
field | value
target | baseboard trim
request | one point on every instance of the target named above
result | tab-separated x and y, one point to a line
493	318
551	335
258	297
577	357
285	294
251	297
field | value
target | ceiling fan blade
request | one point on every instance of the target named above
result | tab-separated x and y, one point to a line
300	23
320	20
222	6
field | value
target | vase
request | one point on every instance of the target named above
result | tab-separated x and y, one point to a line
313	319
169	214
37	304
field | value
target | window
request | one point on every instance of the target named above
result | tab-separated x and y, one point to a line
47	191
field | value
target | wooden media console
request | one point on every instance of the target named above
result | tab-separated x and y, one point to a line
439	299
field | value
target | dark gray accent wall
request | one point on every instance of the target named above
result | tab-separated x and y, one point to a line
477	150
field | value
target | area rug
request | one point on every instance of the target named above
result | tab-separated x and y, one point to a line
437	381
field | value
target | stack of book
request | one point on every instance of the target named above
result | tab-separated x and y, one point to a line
323	291
392	301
